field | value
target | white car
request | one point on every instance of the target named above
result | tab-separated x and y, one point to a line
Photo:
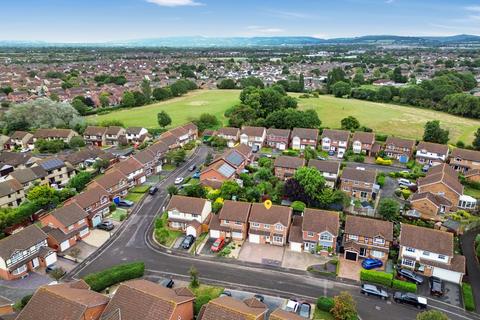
292	306
405	182
179	180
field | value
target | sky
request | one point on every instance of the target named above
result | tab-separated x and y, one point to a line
116	20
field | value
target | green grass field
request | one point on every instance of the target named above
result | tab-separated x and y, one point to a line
389	119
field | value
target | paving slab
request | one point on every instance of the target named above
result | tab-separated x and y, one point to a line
261	253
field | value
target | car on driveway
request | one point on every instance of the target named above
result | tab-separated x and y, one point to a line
437	287
259	297
371	263
167	283
372	290
125	203
410	276
106	225
179	180
196	175
218	245
305	310
411	299
188	241
292	305
226	293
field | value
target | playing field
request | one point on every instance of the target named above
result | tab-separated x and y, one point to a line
389	119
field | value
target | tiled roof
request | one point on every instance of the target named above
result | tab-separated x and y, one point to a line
466	154
315	220
362	175
69	214
228	308
253	131
289	162
367	227
259	213
364	137
325	165
337	135
186	204
304	133
441	149
22	240
235	211
427	239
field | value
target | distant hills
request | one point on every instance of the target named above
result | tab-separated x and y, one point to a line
240	42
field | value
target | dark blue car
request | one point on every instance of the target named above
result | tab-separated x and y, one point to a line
371	263
196	175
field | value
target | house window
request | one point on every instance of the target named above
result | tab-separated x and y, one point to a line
325	237
20	269
407	262
377	254
441	257
278	227
426	253
255	224
408	249
278	239
363	194
379	241
310	234
226	221
266	226
352	237
238	223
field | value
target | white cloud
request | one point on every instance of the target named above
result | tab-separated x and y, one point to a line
262	29
320	35
473	8
289	14
389	1
175	3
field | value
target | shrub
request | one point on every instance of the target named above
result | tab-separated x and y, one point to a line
359	158
378	277
404	286
325	303
123	216
98	281
477	239
381	180
406	193
298	206
383	162
468	297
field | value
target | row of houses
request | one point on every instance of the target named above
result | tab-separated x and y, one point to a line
26	140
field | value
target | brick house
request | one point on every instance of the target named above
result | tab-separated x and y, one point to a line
285	166
367	238
301	138
148	161
430	252
95	136
182	211
280	314
335	140
232	135
429	205
231	221
114	182
278	138
18	139
431	154
133	170
464	161
24	251
269	225
329	169
359	183
362	142
113	135
65	226
65	135
399	149
95	201
228	165
253	136
230	308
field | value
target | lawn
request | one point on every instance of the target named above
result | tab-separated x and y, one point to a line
322	315
204	294
133	196
163	234
181	110
117	214
472	192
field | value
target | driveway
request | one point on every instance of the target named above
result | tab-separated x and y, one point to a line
96	237
452	295
262	253
473	269
349	269
301	260
17	289
85	250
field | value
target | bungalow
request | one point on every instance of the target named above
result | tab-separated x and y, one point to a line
269	225
329	169
431	154
231	221
24	251
463	160
183	211
253	136
430	252
230	308
301	138
95	201
232	135
95	136
286	166
362	142
335	140
278	138
399	149
359	183
365	238
113	135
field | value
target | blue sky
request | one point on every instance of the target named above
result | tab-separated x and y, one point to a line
113	20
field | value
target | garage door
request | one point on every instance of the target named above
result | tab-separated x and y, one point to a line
254	238
214	234
296	246
351	255
51	259
96	220
447	275
237	235
64	245
143	179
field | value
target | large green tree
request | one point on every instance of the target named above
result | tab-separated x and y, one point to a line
434	133
163	119
389	209
311	180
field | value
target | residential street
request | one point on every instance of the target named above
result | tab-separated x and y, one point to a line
473	270
133	242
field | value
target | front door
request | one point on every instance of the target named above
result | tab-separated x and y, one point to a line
35	263
363	252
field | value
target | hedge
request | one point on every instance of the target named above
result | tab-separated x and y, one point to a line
325	303
468	297
383	162
100	280
378	277
404	285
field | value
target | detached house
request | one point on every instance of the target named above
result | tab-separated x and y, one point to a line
113	135
95	136
65	226
24	251
359	183
114	182
362	142
431	154
95	201
231	222
278	138
430	252
230	308
302	138
335	140
464	161
329	169
253	136
286	166
185	212
269	225
136	134
367	238
232	135
399	149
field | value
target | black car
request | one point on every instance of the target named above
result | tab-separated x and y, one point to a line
304	310
188	241
152	190
436	286
259	297
410	276
53	267
226	293
106	225
192	168
167	283
410	298
370	289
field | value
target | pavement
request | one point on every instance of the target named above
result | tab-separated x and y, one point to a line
17	289
473	268
261	253
134	242
349	269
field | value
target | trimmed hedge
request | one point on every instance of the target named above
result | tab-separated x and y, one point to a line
100	280
377	277
468	297
404	285
325	303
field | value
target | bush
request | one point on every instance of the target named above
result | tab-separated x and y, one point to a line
381	180
325	303
468	297
100	280
383	162
378	277
404	286
298	206
359	158
406	193
477	239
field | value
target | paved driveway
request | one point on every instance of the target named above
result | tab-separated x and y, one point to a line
97	237
301	260
451	296
261	253
349	269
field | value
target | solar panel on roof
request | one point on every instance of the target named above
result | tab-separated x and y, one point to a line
226	170
235	158
52	164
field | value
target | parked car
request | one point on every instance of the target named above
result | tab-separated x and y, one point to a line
196	175
218	245
405	182
370	289
292	305
371	263
192	168
188	241
331	153
259	297
167	283
410	276
125	203
410	298
106	225
304	310
226	293
152	190
437	287
179	180
51	268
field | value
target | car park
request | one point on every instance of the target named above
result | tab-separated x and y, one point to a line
292	305
188	241
167	283
178	180
410	276
373	290
411	299
125	203
106	225
305	310
192	168
217	245
152	190
371	263
437	287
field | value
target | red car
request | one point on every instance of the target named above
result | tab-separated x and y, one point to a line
218	245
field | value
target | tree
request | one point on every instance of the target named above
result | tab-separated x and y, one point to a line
229	189
128	99
432	315
384	94
44	196
350	123
292	118
50	146
227	84
434	133
101	164
104	99
162	93
163	119
77	142
194	282
344	307
140	98
389	209
309	153
179	156
195	190
476	140
251	82
79	181
206	121
397	76
311	180
334	76
172	190
146	90
341	89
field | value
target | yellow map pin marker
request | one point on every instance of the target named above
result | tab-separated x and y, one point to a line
267	204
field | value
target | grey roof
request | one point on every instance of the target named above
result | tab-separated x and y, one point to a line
69	214
234	158
9	186
21	240
51	164
28	174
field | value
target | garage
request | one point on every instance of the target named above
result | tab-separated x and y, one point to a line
351	255
237	235
142	180
447	275
296	246
64	245
51	259
215	234
96	220
254	238
159	168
